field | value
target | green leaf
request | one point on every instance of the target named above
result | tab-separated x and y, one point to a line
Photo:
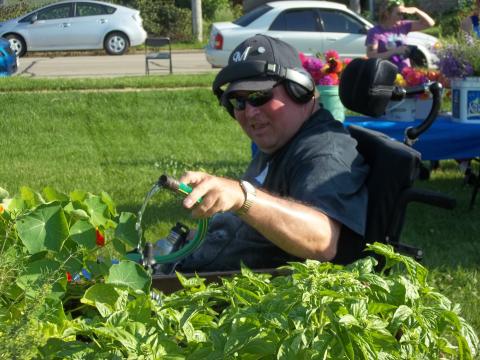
119	246
45	228
70	257
192	282
131	275
126	230
78	195
399	317
31	197
83	233
109	202
67	349
97	209
100	295
53	195
42	272
97	269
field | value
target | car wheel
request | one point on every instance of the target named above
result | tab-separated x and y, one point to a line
17	44
116	43
418	59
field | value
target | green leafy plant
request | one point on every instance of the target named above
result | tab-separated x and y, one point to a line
314	311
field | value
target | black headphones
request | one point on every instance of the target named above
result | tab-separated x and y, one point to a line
298	82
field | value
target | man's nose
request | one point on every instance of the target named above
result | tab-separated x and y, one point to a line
251	110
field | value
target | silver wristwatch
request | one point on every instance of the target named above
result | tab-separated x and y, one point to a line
250	195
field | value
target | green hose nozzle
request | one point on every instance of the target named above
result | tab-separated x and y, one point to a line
174	185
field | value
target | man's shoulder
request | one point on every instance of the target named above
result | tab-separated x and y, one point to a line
321	135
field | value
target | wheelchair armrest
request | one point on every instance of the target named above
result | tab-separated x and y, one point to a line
424	196
428	197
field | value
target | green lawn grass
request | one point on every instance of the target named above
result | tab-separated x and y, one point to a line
121	141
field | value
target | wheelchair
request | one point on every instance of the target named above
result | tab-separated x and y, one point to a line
394	166
366	87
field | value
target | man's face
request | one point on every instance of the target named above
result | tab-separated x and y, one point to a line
273	124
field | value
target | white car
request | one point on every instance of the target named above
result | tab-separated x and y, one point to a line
75	25
311	27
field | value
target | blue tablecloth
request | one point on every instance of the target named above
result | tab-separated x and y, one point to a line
446	139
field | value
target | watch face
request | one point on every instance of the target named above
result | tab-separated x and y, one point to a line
247	187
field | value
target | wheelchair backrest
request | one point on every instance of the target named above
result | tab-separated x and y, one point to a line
393	169
366	85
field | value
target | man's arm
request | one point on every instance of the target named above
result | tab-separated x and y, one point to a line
294	227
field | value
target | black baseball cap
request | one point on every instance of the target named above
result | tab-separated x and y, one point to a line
261	48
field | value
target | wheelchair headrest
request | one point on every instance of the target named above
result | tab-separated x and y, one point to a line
366	85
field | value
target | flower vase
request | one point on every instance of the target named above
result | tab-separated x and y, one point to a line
330	100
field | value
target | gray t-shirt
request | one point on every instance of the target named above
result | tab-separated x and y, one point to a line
319	166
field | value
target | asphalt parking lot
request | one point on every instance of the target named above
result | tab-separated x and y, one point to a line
184	62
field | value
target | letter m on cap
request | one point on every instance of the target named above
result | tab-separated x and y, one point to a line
237	56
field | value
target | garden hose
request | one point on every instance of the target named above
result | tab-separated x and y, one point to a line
170	183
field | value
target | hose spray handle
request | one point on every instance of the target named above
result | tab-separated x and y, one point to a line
174	185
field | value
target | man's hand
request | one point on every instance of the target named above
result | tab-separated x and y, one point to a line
218	194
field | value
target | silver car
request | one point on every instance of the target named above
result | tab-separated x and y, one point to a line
311	27
75	25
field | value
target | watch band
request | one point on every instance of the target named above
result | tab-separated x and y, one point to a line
250	195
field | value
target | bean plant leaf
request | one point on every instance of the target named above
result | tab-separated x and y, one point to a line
83	233
126	230
45	228
399	317
68	349
131	275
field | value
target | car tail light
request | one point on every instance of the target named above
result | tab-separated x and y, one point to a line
218	43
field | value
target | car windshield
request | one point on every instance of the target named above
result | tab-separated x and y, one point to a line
253	15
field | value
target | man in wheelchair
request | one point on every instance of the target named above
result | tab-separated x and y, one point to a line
304	194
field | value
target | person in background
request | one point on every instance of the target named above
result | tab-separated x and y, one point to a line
387	39
470	24
303	196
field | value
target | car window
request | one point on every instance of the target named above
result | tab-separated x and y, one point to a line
338	21
28	18
89	9
296	20
253	15
55	12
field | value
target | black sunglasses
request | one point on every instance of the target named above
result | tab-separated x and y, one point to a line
255	99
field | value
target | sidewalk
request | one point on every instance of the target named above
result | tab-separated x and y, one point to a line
110	66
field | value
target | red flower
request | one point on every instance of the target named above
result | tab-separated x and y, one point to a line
2	209
69	277
335	66
331	54
100	238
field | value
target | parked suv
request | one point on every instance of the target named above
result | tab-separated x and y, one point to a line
75	25
8	59
311	27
